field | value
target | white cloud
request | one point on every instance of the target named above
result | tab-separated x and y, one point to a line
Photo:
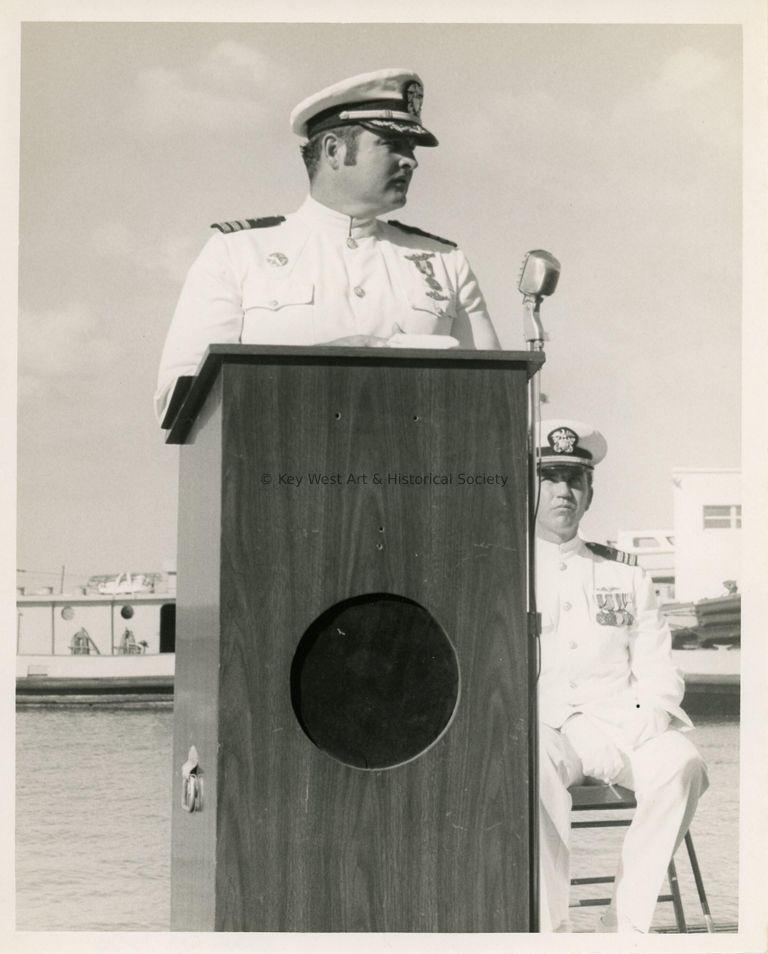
694	88
60	348
229	90
230	62
684	98
169	256
686	74
533	112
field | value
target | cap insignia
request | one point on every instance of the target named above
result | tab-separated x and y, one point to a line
277	259
413	94
563	440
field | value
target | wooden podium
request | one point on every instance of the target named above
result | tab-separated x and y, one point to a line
353	667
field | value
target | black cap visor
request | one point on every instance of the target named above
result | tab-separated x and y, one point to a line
562	469
394	127
329	118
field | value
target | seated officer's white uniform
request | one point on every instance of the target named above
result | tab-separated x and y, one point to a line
606	662
318	275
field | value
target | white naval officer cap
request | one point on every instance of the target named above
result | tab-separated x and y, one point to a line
385	101
563	441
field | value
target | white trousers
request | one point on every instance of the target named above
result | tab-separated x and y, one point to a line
667	775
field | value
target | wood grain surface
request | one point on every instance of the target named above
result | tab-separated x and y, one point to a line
303	841
196	682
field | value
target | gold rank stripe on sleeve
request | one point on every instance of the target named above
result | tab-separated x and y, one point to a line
238	225
611	553
414	231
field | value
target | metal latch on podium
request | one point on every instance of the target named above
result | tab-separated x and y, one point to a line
191	783
534	625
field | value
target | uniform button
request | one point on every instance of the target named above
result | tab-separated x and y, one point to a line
274	303
360	292
573	684
573	644
563	566
566	606
351	243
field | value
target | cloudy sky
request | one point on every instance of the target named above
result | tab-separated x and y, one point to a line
616	147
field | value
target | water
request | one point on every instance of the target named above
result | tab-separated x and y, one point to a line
93	809
93	823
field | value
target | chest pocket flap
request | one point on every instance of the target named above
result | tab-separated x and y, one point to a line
272	295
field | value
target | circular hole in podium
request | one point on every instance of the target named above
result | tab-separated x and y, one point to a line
374	681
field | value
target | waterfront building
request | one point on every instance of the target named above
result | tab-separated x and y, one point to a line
707	521
700	557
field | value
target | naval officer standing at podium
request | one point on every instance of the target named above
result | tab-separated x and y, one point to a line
332	272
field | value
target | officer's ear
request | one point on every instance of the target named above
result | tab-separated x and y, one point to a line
331	150
590	492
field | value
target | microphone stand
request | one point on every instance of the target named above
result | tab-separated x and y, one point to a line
534	336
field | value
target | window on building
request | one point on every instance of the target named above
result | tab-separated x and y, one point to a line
722	516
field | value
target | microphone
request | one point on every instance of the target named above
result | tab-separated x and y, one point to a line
538	278
539	274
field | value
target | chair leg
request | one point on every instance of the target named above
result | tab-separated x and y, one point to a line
699	883
677	901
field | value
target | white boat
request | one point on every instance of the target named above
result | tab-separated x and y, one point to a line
116	634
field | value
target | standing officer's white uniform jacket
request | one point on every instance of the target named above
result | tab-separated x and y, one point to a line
605	648
315	276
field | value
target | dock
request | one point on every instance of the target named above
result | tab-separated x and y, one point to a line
95	691
705	693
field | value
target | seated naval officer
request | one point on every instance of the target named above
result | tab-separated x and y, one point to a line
332	272
609	696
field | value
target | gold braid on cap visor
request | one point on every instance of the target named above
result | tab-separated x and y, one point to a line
378	114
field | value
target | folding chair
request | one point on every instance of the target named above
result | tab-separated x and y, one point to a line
603	798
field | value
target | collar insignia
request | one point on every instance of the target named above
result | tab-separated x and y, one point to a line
277	259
